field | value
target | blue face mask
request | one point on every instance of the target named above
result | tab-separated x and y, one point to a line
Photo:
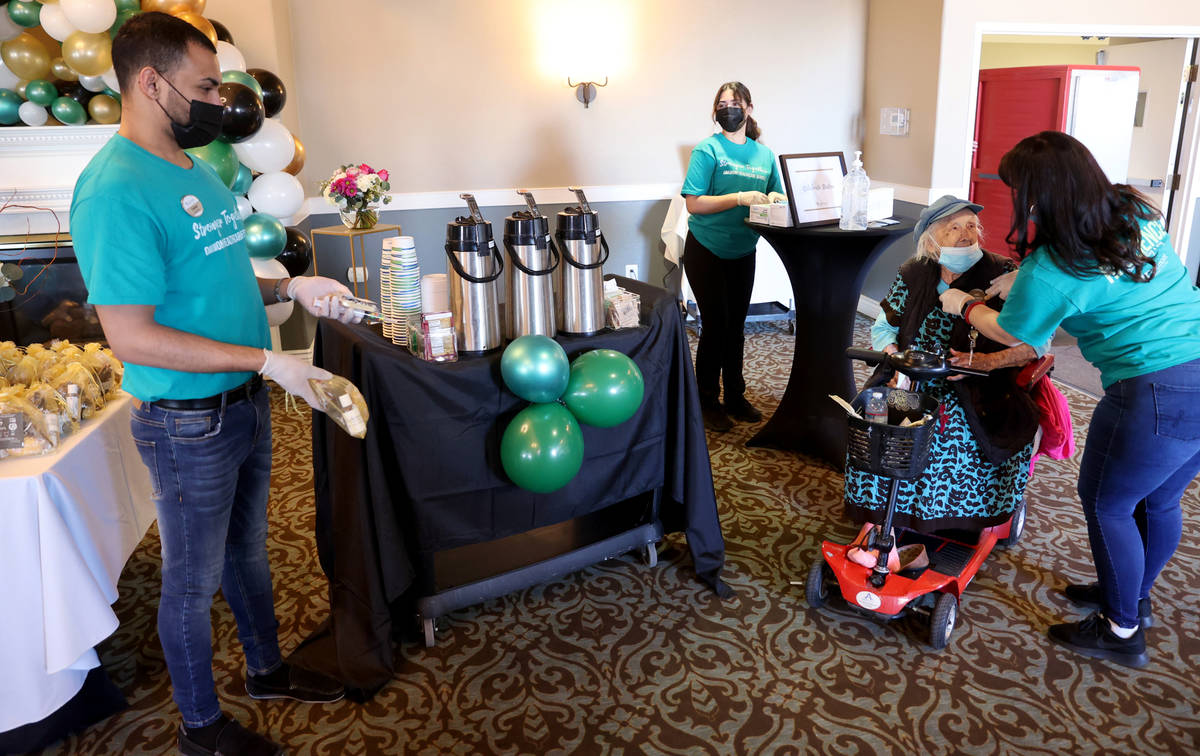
959	259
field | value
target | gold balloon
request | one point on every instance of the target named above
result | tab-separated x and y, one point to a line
26	57
200	22
60	70
88	54
174	7
297	163
52	45
104	109
20	89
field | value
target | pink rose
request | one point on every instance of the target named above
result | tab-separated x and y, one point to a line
383	175
352	171
365	168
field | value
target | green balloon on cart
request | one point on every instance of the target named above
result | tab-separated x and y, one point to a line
41	91
542	448
241	77
221	157
606	388
535	368
68	111
10	107
265	235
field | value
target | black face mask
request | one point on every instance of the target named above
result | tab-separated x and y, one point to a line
204	122
730	118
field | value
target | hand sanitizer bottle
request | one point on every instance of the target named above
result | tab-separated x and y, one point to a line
855	189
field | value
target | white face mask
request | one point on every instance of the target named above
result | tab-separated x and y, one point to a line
959	259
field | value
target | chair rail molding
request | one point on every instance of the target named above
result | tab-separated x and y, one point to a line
38	169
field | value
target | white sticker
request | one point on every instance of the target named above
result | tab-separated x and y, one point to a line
868	600
191	205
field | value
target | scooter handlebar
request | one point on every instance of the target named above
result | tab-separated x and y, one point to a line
915	364
869	356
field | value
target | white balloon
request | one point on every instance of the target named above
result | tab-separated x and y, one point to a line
55	23
89	15
244	207
8	79
32	114
91	83
269	269
8	28
279	312
229	58
277	193
270	149
110	78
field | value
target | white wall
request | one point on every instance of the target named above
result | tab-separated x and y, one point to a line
457	95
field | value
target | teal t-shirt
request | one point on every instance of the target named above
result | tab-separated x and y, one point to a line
718	166
1125	328
147	232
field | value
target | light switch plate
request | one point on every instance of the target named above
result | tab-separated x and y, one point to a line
893	121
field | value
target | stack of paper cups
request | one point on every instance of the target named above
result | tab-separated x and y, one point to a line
435	296
386	307
406	286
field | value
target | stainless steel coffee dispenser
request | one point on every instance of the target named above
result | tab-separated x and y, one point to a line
529	286
580	277
475	265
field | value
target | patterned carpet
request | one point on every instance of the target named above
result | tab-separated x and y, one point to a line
622	658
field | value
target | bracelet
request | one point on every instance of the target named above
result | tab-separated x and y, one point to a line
278	297
966	313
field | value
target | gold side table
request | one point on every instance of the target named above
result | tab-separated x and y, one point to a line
354	234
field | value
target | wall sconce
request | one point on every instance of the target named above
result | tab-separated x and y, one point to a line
585	91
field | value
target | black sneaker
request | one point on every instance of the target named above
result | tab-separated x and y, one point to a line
233	738
1094	637
296	683
1091	596
742	411
715	419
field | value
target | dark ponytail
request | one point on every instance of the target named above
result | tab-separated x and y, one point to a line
742	93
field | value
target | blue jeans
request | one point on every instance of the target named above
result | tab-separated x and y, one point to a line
1142	451
210	471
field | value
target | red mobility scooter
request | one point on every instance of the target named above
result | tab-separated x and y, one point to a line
901	452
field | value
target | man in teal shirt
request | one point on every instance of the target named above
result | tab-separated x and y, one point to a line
161	248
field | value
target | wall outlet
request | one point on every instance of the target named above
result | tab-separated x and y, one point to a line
631	271
356	275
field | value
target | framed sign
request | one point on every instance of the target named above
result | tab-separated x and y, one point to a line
814	186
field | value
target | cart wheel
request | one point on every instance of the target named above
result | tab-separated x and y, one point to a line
816	590
651	554
427	626
941	622
1016	528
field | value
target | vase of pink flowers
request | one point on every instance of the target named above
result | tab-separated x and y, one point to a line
357	191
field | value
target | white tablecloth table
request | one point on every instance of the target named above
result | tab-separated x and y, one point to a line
69	521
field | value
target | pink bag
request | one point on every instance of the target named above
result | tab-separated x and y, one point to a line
1058	436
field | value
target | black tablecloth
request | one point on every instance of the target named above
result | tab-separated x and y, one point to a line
428	477
827	267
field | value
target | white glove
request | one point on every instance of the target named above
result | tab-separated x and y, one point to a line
953	301
1001	285
776	197
319	295
746	199
292	374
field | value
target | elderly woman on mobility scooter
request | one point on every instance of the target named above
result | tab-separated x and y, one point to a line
980	461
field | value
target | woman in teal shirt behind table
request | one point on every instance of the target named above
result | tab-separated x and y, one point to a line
1101	265
728	172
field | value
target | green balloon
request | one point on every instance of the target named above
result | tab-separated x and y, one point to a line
243	180
40	91
25	13
605	388
68	111
542	448
10	106
221	157
113	94
241	77
265	235
122	17
535	368
128	5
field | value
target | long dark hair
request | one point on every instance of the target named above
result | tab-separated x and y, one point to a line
1088	225
739	90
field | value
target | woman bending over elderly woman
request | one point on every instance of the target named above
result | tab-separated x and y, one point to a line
979	462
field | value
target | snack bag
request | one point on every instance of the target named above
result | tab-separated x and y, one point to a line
344	404
22	426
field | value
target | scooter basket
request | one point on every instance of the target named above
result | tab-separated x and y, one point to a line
890	449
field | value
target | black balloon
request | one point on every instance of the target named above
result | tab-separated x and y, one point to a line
222	33
274	94
75	91
243	115
297	252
